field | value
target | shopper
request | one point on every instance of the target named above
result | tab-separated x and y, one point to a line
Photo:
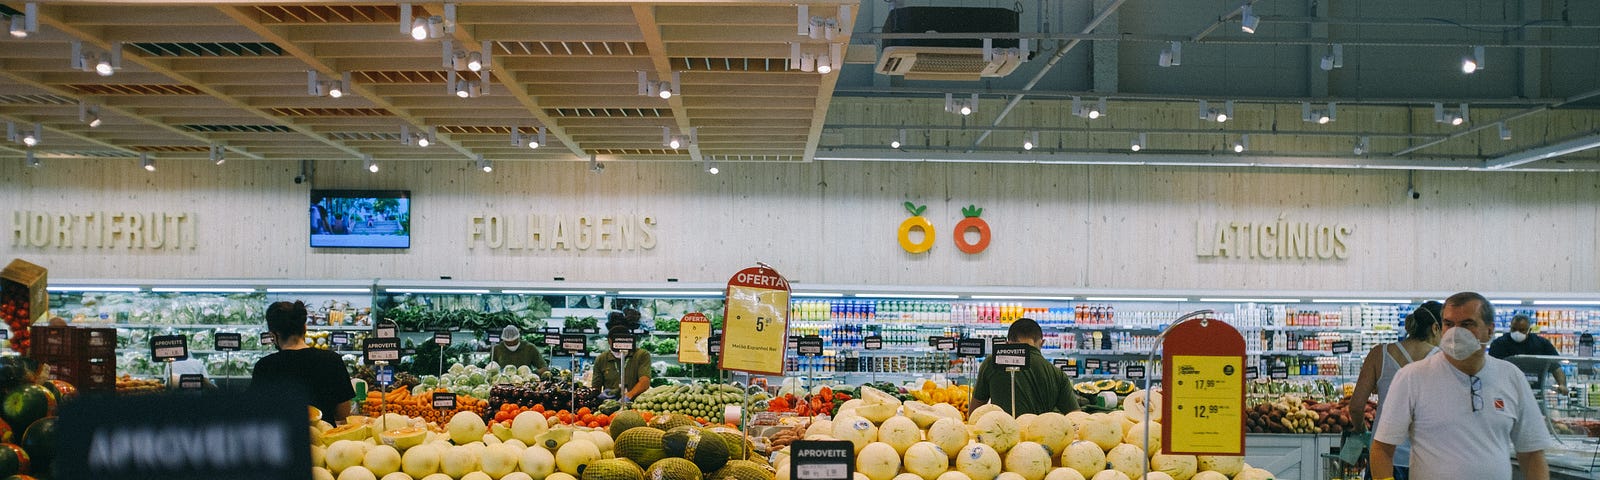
1379	368
1464	412
637	370
1040	386
319	373
513	351
1520	341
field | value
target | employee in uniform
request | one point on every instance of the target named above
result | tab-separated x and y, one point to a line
1040	386
636	374
319	373
1521	341
513	351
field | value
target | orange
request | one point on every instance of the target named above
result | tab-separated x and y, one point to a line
584	411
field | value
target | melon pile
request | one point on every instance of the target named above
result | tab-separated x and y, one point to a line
396	447
916	441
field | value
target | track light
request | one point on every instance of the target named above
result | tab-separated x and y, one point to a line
423	137
423	28
1171	56
103	67
664	88
219	154
1030	140
1334	58
1363	145
317	86
103	63
462	90
674	143
711	168
964	108
485	165
1088	111
818	27
94	121
1321	116
1505	131
535	139
1138	142
1215	115
1453	117
422	141
419	29
89	114
28	22
1242	144
1248	21
1472	62
370	164
33	160
34	136
899	139
148	163
595	165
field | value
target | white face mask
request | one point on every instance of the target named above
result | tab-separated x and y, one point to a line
1519	336
1460	343
513	346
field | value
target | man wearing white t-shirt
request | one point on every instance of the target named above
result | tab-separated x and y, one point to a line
1463	411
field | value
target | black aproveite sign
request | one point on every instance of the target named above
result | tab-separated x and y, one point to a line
971	347
169	347
255	436
386	329
444	400
441	338
229	342
383	349
1011	355
822	460
873	342
810	345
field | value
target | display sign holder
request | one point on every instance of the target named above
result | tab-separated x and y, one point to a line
268	338
386	329
227	343
822	460
167	348
1012	356
620	348
191	382
809	346
694	335
756	321
444	401
340	340
1341	347
1203	363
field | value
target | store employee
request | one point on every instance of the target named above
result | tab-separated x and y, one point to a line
1040	386
1520	341
637	376
513	351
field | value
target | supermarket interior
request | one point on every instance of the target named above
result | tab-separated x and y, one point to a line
813	240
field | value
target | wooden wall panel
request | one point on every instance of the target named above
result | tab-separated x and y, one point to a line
835	222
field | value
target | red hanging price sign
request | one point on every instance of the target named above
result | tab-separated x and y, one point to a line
756	322
1204	379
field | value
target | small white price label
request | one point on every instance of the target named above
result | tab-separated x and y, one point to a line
822	472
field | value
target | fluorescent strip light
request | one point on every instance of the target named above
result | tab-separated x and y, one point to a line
319	290
437	290
1503	301
1020	297
673	293
202	290
92	289
816	294
1136	299
1251	300
1566	302
554	292
909	295
1359	300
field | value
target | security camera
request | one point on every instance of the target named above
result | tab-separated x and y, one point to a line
1413	193
299	179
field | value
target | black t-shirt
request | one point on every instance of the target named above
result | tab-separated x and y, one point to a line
321	373
1534	345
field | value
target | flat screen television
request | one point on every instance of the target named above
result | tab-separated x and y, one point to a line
360	219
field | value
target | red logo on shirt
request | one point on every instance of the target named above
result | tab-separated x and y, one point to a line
1499	404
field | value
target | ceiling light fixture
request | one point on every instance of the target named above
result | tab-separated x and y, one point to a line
1334	58
1505	131
484	164
1239	146
1030	140
538	139
458	60
1321	116
1454	117
34	136
219	154
1472	62
1091	112
423	28
368	163
899	139
1363	145
104	64
595	165
1248	21
148	163
318	86
28	22
1171	56
711	168
33	160
464	88
423	137
1215	115
963	107
664	89
1138	142
818	27
89	114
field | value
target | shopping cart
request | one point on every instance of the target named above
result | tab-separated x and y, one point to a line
1348	461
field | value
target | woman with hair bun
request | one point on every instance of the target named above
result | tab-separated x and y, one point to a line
296	366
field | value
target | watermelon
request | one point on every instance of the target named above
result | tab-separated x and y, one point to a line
67	391
27	404
13	460
39	441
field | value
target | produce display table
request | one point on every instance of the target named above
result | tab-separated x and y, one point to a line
1289	456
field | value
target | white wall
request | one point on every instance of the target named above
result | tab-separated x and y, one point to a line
1054	226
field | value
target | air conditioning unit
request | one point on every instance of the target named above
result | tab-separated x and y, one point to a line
951	59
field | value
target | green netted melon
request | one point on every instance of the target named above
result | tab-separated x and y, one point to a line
613	469
642	445
737	443
669	421
672	469
705	449
742	470
623	421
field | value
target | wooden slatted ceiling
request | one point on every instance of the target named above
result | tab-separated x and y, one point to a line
330	112
170	148
116	89
312	14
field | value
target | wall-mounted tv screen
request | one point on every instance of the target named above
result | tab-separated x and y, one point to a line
360	219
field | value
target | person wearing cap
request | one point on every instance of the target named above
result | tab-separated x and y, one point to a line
513	351
636	374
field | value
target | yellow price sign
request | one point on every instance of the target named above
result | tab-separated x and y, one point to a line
1206	407
694	334
756	322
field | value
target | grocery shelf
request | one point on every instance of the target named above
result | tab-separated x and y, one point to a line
215	326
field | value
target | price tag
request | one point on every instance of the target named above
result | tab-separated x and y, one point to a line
552	339
444	400
1251	373
1065	364
386	329
971	347
493	338
756	322
1071	371
1135	371
946	344
340	339
997	341
574	343
810	345
1341	347
872	342
1092	364
1011	355
622	345
822	460
165	347
268	338
229	342
1279	373
694	334
794	342
1113	369
191	381
1203	373
934	341
714	345
383	350
385	374
441	338
5	333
